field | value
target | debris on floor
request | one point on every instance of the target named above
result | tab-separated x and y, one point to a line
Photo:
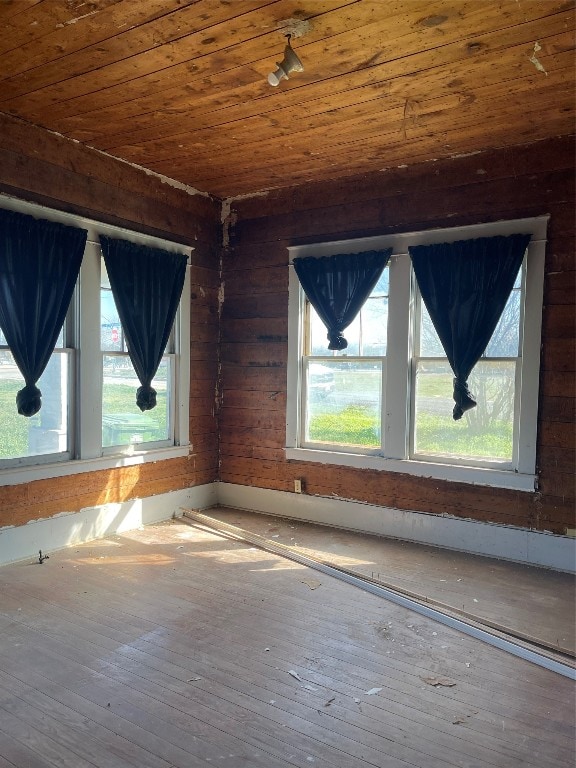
312	583
438	682
462	718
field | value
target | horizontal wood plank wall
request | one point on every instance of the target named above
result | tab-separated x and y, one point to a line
49	169
513	183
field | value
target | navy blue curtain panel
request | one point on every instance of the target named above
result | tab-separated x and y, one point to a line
337	287
465	286
39	266
146	284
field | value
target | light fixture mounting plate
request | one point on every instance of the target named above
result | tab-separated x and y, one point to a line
294	27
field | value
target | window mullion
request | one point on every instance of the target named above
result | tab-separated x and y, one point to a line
89	411
530	336
296	346
180	370
398	359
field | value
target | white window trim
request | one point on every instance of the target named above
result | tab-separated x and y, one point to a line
399	358
89	448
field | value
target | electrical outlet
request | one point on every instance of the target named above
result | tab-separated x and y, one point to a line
298	486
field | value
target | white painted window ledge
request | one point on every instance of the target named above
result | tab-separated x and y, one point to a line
496	478
27	474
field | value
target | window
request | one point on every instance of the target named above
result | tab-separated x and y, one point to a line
89	417
47	433
343	390
386	402
485	436
122	421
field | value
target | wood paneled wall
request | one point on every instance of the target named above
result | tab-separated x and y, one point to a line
46	168
525	181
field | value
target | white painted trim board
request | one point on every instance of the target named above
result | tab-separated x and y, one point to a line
490	539
22	542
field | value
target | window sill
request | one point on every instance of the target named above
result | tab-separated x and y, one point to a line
27	474
496	478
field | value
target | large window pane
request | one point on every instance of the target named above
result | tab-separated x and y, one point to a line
47	431
111	334
122	421
319	336
3	343
344	403
485	432
367	333
374	318
505	340
430	345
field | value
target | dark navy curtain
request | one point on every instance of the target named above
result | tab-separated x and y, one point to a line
465	286
39	265
146	284
337	287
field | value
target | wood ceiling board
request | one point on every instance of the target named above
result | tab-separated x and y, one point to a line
366	157
395	123
497	51
11	8
42	19
171	37
91	33
152	72
392	114
528	66
374	148
384	83
374	154
210	48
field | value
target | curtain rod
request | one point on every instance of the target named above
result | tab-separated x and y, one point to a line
178	245
396	255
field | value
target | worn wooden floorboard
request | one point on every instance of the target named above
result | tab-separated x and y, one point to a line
260	673
487	676
486	673
172	646
537	602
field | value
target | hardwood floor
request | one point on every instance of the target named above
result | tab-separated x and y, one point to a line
172	647
534	603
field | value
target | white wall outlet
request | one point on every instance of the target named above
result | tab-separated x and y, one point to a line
298	486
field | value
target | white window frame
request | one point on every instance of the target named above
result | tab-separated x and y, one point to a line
397	398
85	423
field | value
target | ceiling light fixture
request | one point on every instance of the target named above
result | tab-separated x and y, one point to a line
290	63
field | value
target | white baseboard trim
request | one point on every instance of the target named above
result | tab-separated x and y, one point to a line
489	539
23	542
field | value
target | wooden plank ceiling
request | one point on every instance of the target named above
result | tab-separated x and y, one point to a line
180	86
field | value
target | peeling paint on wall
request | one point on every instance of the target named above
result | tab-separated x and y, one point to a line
225	217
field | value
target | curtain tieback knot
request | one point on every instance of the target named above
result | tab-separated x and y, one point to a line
337	341
463	398
146	397
29	400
